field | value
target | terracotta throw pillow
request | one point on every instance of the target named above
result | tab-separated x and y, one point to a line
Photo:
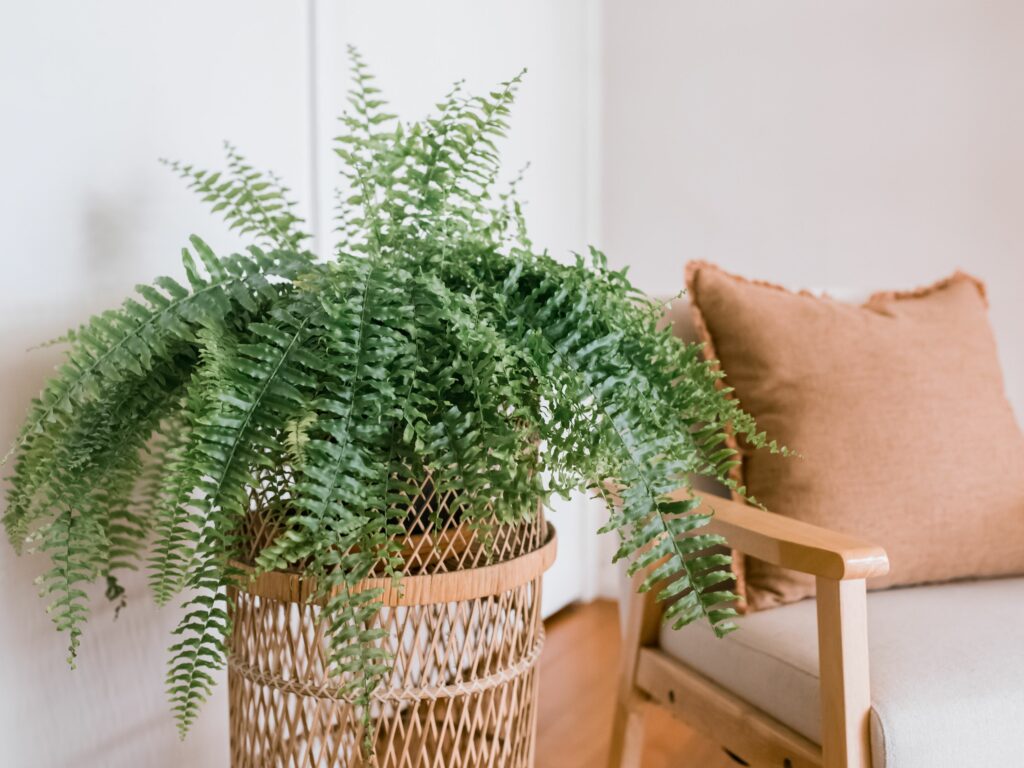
898	410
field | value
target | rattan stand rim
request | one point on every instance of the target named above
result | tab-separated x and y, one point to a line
421	589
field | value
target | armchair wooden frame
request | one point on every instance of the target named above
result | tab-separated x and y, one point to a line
648	676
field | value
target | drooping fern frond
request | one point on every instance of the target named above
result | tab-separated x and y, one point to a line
259	382
435	340
168	507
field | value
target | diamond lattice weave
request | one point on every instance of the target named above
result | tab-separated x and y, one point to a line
463	630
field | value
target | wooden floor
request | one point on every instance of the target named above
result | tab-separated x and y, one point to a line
577	691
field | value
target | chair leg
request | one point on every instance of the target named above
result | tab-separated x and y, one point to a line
643	618
627	734
845	683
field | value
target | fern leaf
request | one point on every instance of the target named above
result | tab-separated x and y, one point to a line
251	201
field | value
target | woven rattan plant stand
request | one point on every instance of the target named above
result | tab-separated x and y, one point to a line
464	630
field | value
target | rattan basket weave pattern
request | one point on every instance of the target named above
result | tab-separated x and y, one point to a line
463	629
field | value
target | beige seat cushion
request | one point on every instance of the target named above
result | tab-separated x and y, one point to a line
947	671
898	410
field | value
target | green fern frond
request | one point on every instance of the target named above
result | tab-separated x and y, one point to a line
251	201
70	541
170	505
199	653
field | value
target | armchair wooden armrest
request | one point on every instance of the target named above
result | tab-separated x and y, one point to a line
840	564
785	541
793	544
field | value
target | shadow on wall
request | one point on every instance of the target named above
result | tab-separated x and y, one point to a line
112	710
111	234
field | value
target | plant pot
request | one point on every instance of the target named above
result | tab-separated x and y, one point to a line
463	629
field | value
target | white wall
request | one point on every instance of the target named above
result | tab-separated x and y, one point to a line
847	144
93	92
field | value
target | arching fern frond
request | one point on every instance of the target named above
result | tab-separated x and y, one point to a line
119	348
251	201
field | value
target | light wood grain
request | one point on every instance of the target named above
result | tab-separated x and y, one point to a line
577	694
793	544
843	661
841	564
785	541
643	617
722	717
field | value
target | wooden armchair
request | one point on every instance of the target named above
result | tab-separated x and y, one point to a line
791	688
649	675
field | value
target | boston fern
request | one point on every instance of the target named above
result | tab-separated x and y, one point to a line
434	338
